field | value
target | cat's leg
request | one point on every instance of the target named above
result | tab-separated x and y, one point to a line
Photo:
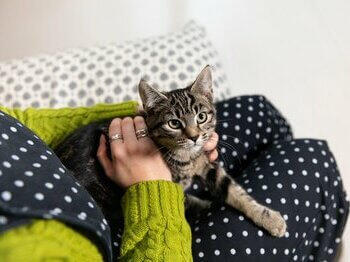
223	186
195	203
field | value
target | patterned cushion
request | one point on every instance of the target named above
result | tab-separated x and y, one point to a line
110	73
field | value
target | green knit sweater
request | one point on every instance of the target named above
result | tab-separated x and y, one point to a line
155	225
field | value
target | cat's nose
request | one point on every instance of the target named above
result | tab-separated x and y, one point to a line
194	138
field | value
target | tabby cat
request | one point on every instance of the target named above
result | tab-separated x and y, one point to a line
179	122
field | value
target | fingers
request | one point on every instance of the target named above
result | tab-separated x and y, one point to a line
141	124
103	158
212	142
213	155
115	128
128	131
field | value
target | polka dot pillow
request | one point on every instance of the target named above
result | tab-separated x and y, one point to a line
110	73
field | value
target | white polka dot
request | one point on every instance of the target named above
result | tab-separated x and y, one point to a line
90	205
225	220
28	173
198	240
245	233
201	254
15	157
19	183
283	200
61	170
43	157
57	176
217	252
68	199
241	218
30	142
286	160
82	215
229	234
290	172
279	185
74	190
6	195
275	173
286	251
37	165
238	115
262	251
301	160
23	149
274	251
314	160
264	187
268	200
5	136
248	251
232	251
13	129
6	164
213	236
3	220
39	196
49	185
260	233
211	223
296	201
294	186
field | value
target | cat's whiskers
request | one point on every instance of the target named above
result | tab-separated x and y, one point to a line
233	149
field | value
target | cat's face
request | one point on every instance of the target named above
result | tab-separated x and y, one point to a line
182	119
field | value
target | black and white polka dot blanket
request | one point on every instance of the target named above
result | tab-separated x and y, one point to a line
298	177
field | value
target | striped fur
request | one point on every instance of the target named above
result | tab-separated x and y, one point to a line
182	148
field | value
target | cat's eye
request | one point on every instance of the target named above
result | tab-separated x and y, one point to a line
174	124
202	117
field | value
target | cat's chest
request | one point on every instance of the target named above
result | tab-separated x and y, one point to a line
183	174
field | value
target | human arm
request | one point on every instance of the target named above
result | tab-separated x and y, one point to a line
53	125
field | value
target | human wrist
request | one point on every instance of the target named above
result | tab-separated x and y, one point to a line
153	198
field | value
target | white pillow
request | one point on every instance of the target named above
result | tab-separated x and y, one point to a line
110	73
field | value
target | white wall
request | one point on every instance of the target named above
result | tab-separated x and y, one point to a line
295	52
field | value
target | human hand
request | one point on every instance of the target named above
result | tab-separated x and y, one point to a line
133	160
210	147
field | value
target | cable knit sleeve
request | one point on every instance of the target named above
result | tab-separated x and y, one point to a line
53	125
155	224
46	240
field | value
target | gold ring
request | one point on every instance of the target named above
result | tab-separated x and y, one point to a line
116	137
141	133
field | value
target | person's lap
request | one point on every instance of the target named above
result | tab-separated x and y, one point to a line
298	178
254	138
287	178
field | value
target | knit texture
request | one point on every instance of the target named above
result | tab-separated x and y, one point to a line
54	125
46	240
155	224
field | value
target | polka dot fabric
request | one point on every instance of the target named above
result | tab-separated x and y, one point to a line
34	184
298	177
110	73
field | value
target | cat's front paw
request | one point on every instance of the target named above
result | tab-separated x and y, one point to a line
273	222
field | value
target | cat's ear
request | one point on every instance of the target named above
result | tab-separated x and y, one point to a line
203	84
149	95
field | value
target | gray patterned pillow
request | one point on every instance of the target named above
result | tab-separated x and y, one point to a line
110	73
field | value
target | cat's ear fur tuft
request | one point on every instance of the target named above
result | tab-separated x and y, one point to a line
203	83
150	96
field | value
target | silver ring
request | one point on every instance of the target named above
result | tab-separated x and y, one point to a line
141	133
116	137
